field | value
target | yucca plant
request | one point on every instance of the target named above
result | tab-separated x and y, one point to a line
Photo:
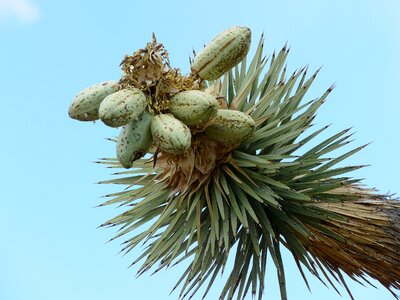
252	198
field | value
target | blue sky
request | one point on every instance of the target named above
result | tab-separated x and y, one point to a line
50	50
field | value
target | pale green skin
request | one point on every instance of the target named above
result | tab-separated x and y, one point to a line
230	126
170	134
122	107
134	140
224	52
85	105
194	108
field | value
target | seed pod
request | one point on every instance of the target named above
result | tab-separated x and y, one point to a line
224	52
230	126
134	140
194	108
122	107
85	105
170	134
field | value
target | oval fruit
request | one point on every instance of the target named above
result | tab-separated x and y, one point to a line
224	52
230	126
122	107
170	134
194	108
85	105
134	140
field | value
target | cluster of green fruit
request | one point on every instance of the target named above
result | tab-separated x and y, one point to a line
189	112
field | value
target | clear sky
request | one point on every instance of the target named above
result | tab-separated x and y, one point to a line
50	248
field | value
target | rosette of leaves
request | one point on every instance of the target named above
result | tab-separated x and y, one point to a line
250	200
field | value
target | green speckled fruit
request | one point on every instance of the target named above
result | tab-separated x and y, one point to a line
224	52
122	107
85	105
135	140
170	134
230	126
194	108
